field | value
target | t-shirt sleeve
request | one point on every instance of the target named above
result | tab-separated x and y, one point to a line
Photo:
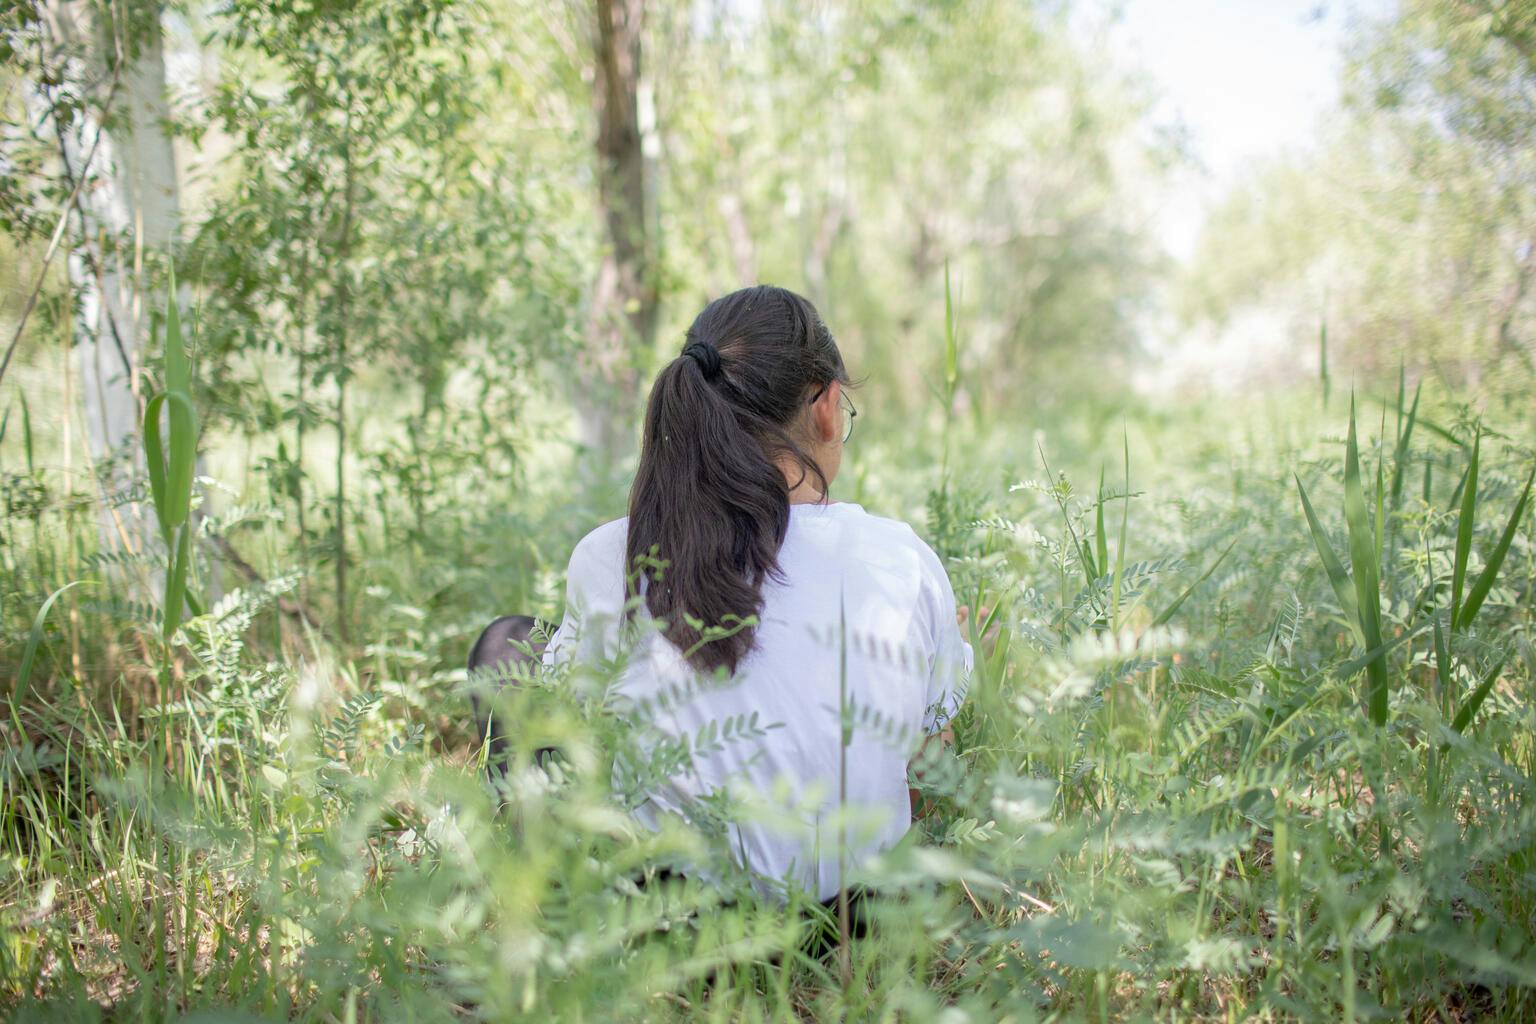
591	613
950	671
562	643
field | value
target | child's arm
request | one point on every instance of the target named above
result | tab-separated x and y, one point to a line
942	738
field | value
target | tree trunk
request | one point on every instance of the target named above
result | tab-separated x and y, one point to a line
622	324
129	205
342	357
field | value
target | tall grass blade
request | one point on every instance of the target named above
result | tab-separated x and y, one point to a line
170	476
1464	526
34	641
951	344
845	737
1404	439
26	435
1402	385
1460	483
1484	582
1476	698
951	375
1375	655
178	367
1343	587
1381	510
1364	558
183	415
154	456
1168	613
170	480
997	661
1443	432
1322	359
1079	545
1125	517
991	619
1442	668
1100	538
26	431
176	582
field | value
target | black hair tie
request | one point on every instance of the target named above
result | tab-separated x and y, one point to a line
707	356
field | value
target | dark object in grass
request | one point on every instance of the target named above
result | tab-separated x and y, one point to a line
821	938
507	643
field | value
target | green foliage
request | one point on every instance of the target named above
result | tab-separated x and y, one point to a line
822	153
1166	812
382	228
1365	559
170	478
1484	582
1408	229
34	640
1163	799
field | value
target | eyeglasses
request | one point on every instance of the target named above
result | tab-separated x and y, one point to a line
845	404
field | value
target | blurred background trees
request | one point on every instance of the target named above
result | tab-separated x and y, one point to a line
434	249
89	164
1412	230
429	254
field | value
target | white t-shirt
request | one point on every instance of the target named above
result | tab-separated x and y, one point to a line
907	671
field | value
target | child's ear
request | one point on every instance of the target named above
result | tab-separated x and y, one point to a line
825	413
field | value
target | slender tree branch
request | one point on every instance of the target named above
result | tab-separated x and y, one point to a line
58	231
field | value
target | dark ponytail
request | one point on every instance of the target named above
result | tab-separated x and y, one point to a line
709	497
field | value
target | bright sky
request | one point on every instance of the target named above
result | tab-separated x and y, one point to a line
1246	79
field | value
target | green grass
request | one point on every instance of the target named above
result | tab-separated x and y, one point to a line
1208	771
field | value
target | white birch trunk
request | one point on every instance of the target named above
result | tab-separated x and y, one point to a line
129	206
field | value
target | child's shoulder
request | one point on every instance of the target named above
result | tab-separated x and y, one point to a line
601	552
610	536
897	534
